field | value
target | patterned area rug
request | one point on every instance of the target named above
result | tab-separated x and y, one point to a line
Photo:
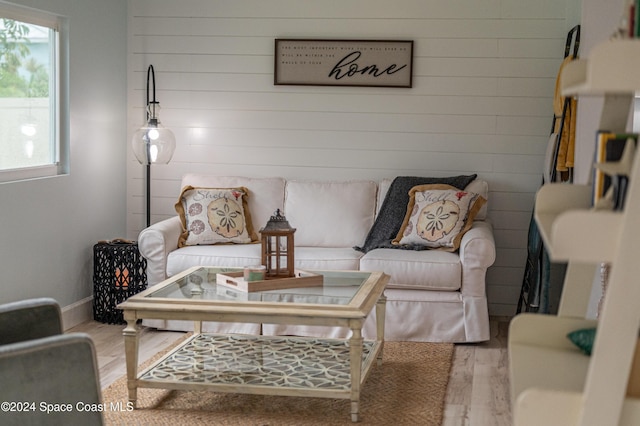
409	388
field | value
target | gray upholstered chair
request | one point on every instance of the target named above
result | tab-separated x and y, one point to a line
47	377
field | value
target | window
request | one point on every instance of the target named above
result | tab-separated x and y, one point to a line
30	144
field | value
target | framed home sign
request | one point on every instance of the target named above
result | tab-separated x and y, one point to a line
379	63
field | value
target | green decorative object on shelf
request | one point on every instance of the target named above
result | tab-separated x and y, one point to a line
583	339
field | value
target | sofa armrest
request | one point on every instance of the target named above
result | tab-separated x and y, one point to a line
155	243
477	253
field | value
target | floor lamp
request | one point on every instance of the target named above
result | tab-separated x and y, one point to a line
152	143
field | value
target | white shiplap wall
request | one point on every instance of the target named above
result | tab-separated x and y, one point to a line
484	75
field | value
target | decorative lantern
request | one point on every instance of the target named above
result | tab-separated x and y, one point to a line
277	247
119	272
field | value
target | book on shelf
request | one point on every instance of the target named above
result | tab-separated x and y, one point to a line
630	22
609	148
634	18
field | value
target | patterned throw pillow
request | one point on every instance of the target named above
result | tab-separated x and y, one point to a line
214	216
438	216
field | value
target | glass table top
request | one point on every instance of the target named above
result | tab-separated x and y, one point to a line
339	288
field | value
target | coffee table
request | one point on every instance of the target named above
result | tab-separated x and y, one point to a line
269	365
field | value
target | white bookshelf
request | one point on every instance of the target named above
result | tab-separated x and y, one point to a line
563	214
611	68
553	383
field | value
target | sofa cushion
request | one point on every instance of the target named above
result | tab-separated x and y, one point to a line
230	255
438	216
266	195
214	216
330	214
422	270
327	258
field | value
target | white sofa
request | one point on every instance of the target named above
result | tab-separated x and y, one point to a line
432	295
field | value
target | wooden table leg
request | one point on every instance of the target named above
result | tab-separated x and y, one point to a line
381	308
355	353
130	334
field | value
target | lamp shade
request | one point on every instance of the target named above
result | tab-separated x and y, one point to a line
153	144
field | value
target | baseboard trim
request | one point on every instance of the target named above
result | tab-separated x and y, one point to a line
77	313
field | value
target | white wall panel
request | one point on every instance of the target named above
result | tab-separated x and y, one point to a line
425	27
356	103
339	9
549	9
481	102
527	87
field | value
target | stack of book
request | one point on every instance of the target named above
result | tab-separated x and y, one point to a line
632	18
609	149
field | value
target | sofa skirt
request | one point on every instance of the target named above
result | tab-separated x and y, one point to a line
411	315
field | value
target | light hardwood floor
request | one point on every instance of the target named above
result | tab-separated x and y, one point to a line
478	392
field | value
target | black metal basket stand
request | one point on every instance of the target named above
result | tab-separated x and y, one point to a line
119	271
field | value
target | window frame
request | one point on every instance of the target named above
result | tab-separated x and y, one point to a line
59	105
